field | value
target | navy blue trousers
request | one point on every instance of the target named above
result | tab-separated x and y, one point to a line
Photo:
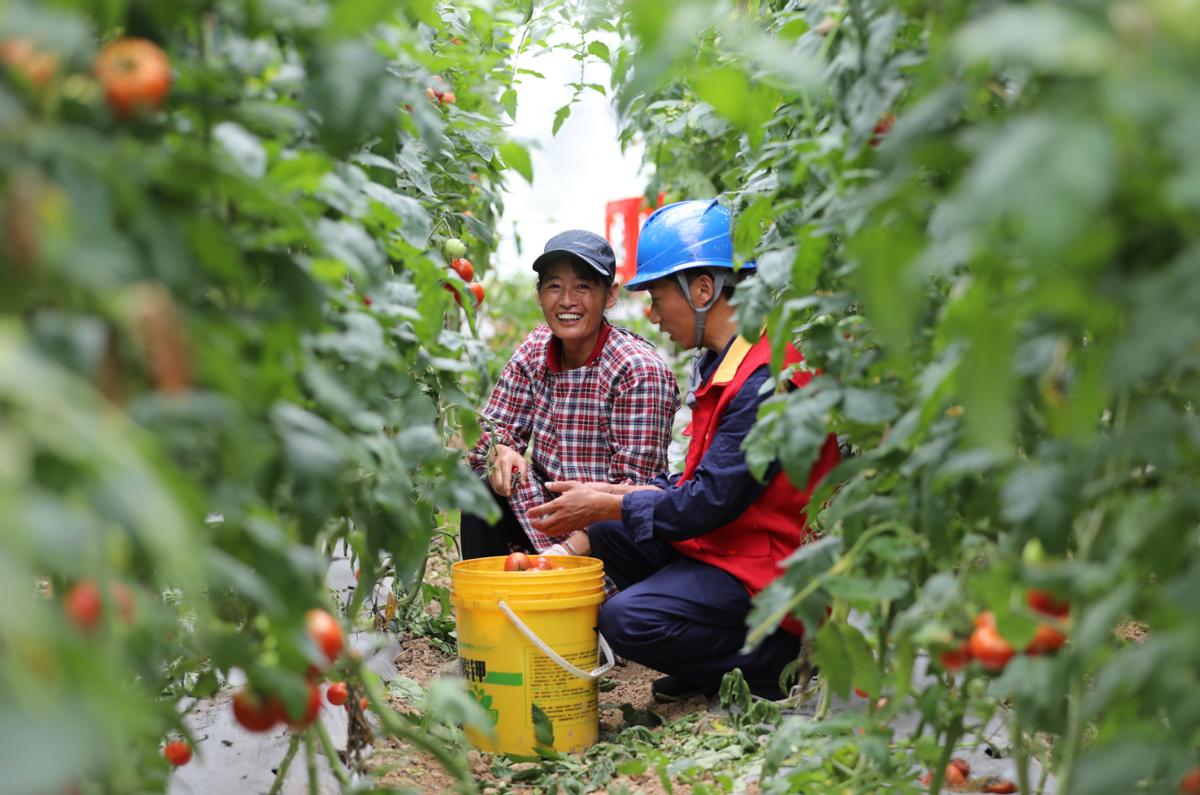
682	617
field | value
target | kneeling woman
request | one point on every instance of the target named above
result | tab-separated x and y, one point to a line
596	400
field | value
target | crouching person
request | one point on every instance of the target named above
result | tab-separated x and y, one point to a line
689	551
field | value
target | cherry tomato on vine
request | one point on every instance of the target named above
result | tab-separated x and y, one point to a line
83	605
311	707
955	660
135	73
989	647
178	753
463	268
999	785
1046	639
1044	602
476	290
253	712
337	693
325	631
1190	783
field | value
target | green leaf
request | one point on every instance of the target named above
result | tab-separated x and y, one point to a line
543	727
831	654
1049	38
864	590
517	157
508	101
351	17
243	147
1117	767
560	116
872	406
730	92
600	50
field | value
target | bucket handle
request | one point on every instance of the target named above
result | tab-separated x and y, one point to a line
532	637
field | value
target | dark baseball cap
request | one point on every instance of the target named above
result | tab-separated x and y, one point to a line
584	245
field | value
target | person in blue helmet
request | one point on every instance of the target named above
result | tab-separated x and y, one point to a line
689	551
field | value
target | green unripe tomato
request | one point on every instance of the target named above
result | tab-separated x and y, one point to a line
454	247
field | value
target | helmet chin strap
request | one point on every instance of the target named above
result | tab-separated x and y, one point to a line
701	311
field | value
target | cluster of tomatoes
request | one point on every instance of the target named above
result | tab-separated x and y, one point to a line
83	604
440	93
455	249
258	712
134	73
990	649
958	773
519	561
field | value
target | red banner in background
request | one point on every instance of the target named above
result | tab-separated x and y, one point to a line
622	220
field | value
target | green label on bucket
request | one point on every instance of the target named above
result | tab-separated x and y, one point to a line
498	678
476	671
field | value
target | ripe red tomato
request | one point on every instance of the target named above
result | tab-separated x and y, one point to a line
539	563
253	712
956	659
1000	785
83	605
962	766
476	290
858	691
178	753
1044	602
1190	783
363	704
325	631
22	56
955	777
135	73
311	708
448	98
337	693
992	650
882	127
517	561
463	268
450	288
1046	639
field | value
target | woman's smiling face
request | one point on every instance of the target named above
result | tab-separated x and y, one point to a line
573	306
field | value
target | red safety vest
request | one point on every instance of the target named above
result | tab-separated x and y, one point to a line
753	545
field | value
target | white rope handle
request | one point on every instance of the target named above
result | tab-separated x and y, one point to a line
553	655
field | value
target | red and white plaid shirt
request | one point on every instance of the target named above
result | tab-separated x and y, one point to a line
609	420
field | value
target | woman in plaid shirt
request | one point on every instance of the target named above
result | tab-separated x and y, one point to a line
596	401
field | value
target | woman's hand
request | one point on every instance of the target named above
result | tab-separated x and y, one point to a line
500	474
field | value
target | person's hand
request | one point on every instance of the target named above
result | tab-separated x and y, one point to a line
576	506
500	475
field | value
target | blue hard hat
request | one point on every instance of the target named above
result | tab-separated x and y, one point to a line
681	236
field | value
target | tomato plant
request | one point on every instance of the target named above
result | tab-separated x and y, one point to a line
222	240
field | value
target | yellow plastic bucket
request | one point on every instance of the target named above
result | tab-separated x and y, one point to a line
529	638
